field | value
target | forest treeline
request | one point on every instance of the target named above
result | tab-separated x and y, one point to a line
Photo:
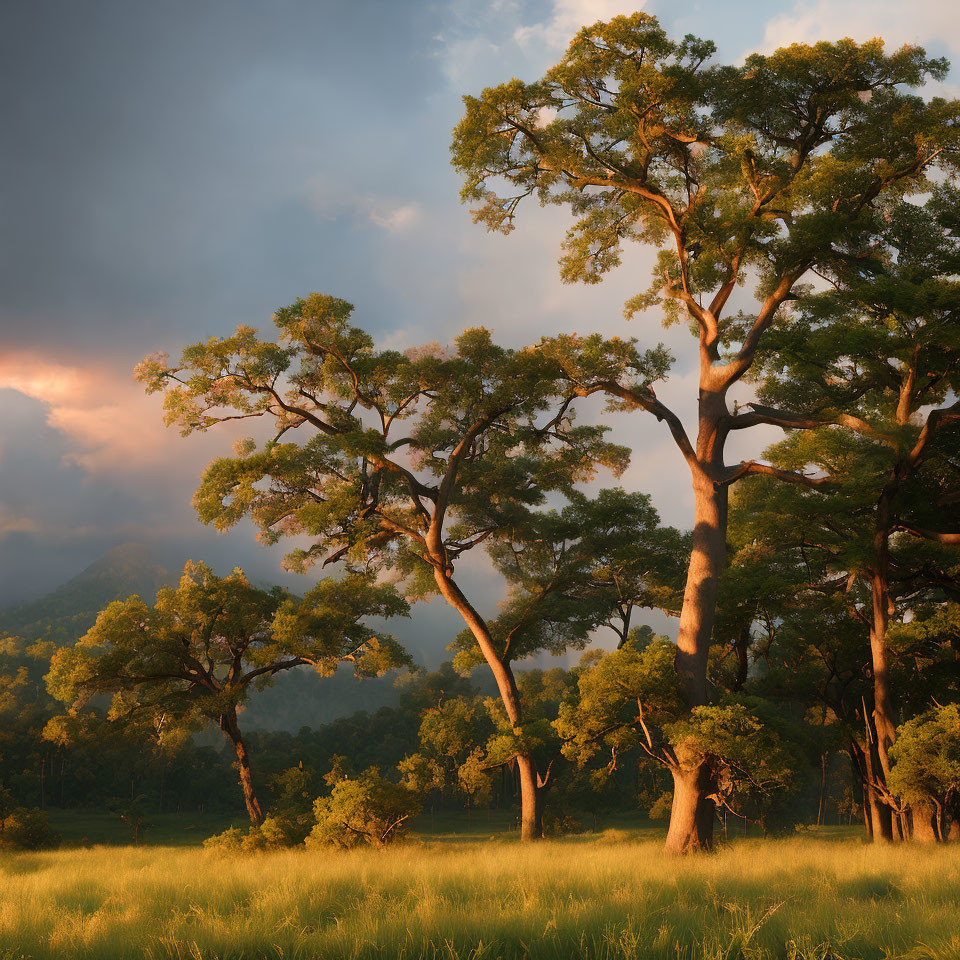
817	586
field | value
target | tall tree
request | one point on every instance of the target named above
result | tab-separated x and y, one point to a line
879	355
408	461
732	173
803	558
594	563
195	655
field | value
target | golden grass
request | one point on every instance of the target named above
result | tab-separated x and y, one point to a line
605	898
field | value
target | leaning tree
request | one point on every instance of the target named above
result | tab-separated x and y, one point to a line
195	655
406	461
734	173
593	563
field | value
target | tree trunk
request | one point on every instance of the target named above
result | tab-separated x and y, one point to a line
883	711
692	813
953	831
229	725
881	817
707	558
924	823
823	782
531	821
532	797
858	761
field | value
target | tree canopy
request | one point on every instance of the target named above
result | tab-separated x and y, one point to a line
196	653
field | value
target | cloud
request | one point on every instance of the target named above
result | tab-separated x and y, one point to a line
567	18
482	43
394	219
10	523
112	427
331	200
930	23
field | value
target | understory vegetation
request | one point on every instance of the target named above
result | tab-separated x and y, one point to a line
612	897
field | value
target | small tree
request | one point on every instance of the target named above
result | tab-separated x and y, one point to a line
451	737
407	461
195	655
364	809
629	701
926	770
731	172
594	563
24	761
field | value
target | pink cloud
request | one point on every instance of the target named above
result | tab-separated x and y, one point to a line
111	425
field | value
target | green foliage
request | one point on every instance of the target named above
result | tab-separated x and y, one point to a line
294	791
757	751
194	655
366	809
926	759
27	829
629	701
451	736
287	825
870	369
623	700
229	841
406	462
592	563
762	166
403	456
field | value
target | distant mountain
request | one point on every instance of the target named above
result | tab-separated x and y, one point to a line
67	612
302	698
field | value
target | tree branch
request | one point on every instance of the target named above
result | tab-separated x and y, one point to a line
787	476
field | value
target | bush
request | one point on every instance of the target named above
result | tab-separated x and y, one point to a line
27	829
275	833
560	823
363	809
661	807
287	826
230	841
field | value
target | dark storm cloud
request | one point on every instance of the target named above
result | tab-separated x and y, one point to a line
154	154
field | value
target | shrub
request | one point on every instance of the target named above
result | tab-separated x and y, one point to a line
287	826
363	809
560	823
661	807
230	841
27	829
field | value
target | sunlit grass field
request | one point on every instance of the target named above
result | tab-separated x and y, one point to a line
612	896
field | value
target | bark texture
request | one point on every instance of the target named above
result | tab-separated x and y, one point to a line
707	559
924	823
229	725
692	812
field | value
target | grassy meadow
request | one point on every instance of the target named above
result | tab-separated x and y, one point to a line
612	895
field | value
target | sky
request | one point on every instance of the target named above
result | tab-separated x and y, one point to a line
170	170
